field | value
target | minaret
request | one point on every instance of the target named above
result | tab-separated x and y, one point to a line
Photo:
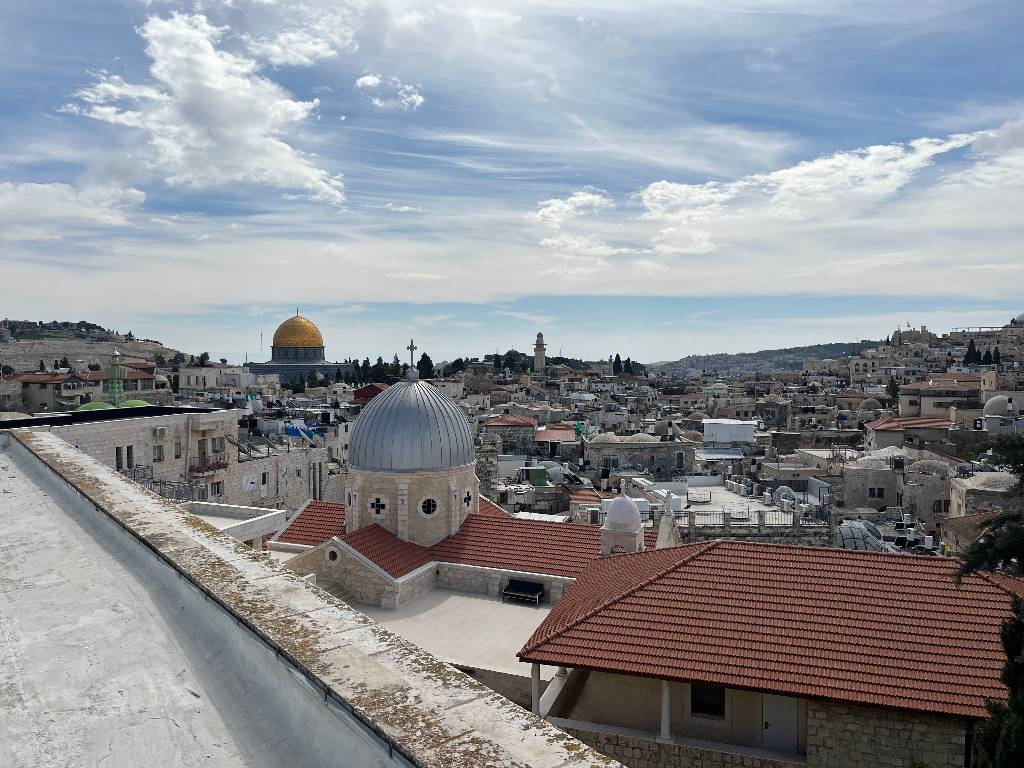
538	355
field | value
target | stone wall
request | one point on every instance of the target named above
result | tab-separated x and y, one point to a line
513	439
394	500
491	581
852	736
638	752
346	574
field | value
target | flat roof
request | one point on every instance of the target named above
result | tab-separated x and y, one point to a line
466	628
134	628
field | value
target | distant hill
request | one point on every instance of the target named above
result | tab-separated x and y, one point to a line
787	359
24	343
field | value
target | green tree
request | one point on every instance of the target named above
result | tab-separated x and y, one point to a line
970	353
379	371
892	389
204	359
425	366
42	367
617	365
627	367
999	741
996	356
987	358
458	365
364	371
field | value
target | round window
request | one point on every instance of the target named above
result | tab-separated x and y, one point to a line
428	507
332	554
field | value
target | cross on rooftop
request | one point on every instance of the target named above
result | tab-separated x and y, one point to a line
412	349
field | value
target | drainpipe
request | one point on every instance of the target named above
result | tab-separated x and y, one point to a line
666	712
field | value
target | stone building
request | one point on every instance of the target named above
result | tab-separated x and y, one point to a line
297	353
730	653
984	492
515	433
661	456
193	454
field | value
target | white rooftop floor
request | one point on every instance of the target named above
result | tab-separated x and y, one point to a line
99	661
466	628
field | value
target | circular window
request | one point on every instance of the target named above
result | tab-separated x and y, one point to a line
332	554
428	507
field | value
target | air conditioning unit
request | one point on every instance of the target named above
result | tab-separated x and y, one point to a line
159	432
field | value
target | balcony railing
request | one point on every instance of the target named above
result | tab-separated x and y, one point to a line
203	465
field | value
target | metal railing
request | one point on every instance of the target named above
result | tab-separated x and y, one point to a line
212	463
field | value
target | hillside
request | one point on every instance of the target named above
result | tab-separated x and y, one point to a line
23	343
787	359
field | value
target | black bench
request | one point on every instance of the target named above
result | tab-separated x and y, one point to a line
518	589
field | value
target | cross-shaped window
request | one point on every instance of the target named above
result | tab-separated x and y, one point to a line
378	506
468	499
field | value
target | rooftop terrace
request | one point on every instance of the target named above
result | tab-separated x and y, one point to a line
130	628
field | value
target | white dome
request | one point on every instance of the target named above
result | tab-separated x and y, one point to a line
605	437
997	406
870	404
623	515
409	427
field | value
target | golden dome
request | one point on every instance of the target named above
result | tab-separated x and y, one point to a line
297	332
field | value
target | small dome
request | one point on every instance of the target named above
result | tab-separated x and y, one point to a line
605	438
930	467
97	406
851	535
692	434
662	427
135	404
409	427
870	404
297	332
698	416
997	406
1020	319
641	437
623	515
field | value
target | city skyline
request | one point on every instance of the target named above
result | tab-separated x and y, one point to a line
190	170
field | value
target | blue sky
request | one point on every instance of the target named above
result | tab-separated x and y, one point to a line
654	179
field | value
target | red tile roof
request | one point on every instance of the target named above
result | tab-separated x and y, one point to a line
590	496
380	545
316	523
901	423
509	420
555	434
491	541
867	627
488	507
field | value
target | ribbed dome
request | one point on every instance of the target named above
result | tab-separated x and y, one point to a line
870	404
297	331
411	426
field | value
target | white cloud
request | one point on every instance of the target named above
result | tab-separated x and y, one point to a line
43	211
210	119
396	94
368	81
413	276
556	211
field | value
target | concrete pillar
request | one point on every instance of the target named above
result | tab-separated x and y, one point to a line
666	711
535	688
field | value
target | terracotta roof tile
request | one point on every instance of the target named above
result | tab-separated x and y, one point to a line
867	627
314	524
900	423
395	556
491	541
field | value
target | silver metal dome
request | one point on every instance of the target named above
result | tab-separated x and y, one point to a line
409	427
